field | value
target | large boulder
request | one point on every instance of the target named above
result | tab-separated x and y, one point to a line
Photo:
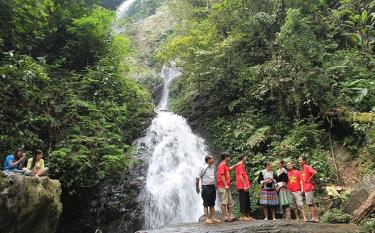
29	204
360	194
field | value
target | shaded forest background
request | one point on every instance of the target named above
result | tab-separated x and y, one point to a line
270	79
65	89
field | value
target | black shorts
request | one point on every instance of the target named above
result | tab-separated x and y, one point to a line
208	195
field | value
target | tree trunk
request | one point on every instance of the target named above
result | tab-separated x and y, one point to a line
365	209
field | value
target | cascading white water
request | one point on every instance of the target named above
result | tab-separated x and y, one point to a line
123	8
121	12
167	74
175	155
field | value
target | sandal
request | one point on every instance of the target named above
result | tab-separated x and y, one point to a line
228	220
208	221
215	220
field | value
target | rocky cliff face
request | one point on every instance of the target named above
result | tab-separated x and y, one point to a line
116	205
29	204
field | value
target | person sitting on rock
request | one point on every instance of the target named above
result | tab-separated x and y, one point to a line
243	186
15	162
308	187
36	164
268	194
294	186
223	185
207	176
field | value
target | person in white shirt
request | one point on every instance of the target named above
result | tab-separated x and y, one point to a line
207	176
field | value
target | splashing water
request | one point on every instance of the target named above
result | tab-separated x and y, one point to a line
175	155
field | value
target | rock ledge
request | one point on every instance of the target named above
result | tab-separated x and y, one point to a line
278	226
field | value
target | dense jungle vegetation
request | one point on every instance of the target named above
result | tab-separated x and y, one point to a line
267	78
64	89
278	79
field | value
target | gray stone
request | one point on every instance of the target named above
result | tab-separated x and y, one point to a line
29	204
278	226
361	193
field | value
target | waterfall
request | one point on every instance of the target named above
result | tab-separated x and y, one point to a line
174	156
167	74
123	8
121	12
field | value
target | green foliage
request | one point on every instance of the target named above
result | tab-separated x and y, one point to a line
38	27
91	34
24	109
259	76
335	216
367	225
367	159
65	89
75	102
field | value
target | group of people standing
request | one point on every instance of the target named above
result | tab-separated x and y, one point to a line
283	189
18	163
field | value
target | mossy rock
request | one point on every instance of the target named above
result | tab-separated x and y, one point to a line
29	204
336	216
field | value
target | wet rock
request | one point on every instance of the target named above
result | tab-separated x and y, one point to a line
29	204
278	226
217	213
117	208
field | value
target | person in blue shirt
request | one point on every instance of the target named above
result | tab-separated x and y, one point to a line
15	161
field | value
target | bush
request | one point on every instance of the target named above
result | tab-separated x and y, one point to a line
367	225
336	216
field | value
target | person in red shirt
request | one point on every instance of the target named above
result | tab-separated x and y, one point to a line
223	184
294	186
243	186
308	187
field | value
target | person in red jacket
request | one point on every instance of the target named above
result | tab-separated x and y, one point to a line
294	186
223	186
243	186
308	187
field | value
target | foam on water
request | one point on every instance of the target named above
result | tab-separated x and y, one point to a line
175	155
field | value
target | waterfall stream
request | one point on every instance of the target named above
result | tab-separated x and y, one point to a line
123	8
175	155
122	12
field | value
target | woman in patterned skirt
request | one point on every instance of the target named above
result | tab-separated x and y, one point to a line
285	197
268	194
